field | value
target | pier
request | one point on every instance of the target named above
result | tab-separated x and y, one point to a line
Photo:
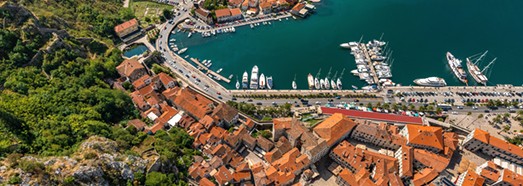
294	92
209	71
369	62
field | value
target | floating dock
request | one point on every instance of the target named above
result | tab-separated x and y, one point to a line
209	71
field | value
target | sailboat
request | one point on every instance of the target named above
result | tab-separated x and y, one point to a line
338	82
294	86
317	84
474	70
310	80
327	84
269	82
237	83
333	83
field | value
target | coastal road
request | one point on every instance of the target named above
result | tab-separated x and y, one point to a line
181	67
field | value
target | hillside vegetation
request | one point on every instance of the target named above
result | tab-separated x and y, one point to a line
57	61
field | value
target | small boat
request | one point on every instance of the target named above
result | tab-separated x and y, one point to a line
333	84
245	80
187	56
294	86
254	77
355	72
338	84
237	83
190	34
322	84
252	26
310	80
354	87
262	81
182	50
317	83
269	82
219	70
327	85
230	76
172	40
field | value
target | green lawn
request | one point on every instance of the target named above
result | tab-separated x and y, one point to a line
149	9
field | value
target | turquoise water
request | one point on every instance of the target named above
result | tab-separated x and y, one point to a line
138	50
419	32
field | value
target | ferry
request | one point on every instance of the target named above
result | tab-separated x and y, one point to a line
219	70
182	50
338	84
254	77
245	80
455	65
431	82
269	82
262	81
310	80
475	72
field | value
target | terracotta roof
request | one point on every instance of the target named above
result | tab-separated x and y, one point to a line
265	5
249	123
193	103
481	135
223	176
235	12
207	121
225	112
138	100
282	123
298	7
171	92
425	135
373	116
334	127
168	113
501	144
361	159
424	176
157	126
241	175
235	2
206	182
473	179
264	143
136	123
222	12
141	82
125	25
128	66
492	172
429	159
165	79
153	110
511	178
283	170
407	159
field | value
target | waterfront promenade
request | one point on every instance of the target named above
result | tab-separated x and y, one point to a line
268	18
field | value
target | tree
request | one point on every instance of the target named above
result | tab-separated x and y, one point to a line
167	14
157	178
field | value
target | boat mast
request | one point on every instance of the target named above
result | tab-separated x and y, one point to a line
341	75
329	74
391	63
488	65
381	36
318	74
480	57
361	38
335	74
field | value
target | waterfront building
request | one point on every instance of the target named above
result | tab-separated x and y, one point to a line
196	105
226	15
480	140
128	30
204	15
266	7
131	69
335	128
299	10
374	116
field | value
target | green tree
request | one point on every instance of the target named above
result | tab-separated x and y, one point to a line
157	178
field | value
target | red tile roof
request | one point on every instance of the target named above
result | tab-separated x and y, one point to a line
334	127
235	12
373	116
165	79
192	102
136	123
473	179
223	176
425	135
206	182
125	25
485	137
128	66
222	12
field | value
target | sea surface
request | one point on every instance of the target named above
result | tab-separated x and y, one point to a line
419	32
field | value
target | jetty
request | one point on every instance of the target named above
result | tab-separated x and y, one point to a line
369	63
209	71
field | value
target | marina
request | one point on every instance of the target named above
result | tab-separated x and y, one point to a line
412	59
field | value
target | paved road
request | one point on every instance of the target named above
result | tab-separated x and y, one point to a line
181	67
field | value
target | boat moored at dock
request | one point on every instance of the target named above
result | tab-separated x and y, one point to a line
262	81
310	80
254	77
245	80
269	82
474	71
457	69
431	82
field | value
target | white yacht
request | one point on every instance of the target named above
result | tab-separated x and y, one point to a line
310	80
219	70
431	82
245	80
262	81
317	83
327	84
182	50
294	86
254	77
338	84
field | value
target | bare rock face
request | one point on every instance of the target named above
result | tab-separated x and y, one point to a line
97	161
